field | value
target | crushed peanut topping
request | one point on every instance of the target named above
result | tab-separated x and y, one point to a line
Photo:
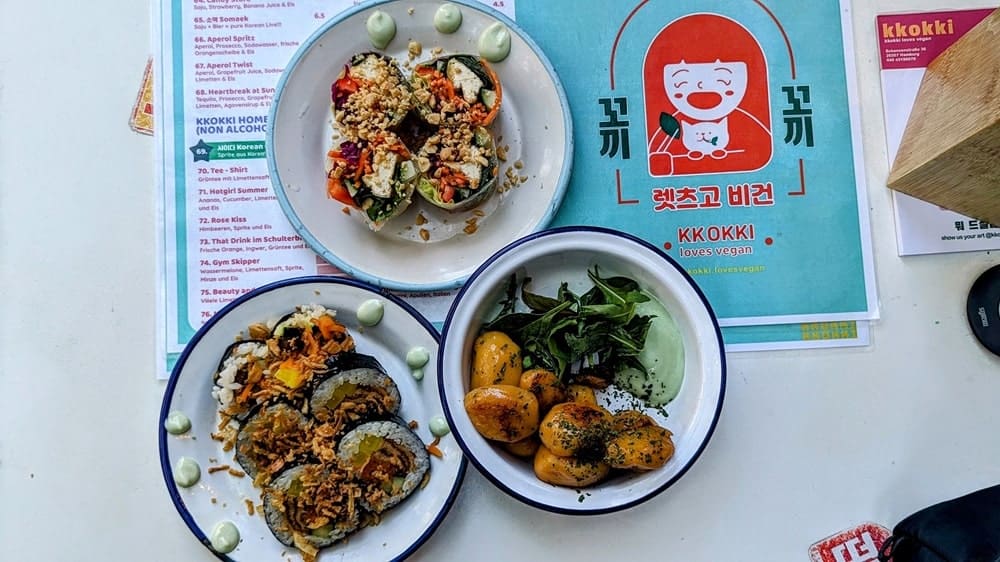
381	98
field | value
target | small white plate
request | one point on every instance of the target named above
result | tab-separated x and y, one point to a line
405	527
534	123
564	255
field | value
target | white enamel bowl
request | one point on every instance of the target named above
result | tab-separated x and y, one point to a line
550	258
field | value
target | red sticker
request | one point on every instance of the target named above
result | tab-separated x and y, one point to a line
860	544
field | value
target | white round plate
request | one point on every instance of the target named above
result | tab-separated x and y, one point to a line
406	526
564	255
534	123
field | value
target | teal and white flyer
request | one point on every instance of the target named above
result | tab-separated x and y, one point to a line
726	133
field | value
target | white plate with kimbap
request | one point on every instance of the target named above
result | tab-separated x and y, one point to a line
409	141
305	419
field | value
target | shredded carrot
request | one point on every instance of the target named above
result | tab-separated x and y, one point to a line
336	190
439	84
400	148
347	84
478	114
244	394
433	448
326	326
447	192
312	346
363	163
449	180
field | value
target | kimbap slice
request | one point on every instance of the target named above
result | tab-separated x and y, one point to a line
376	176
271	438
354	395
240	372
351	360
460	167
388	460
456	89
310	507
303	340
370	96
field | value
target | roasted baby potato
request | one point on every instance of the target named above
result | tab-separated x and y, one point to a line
626	420
581	393
573	428
496	359
644	448
502	412
526	447
568	471
545	385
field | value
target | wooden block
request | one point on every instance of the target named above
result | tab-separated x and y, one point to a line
950	152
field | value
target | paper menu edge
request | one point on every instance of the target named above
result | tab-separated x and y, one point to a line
900	86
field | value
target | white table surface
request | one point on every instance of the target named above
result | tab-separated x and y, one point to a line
809	443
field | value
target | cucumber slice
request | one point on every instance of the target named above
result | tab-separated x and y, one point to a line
407	171
489	97
482	137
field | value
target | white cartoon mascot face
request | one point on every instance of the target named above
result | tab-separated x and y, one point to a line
706	91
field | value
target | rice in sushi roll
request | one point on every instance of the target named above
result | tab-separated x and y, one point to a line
242	366
387	459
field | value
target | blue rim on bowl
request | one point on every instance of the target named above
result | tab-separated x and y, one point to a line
356	270
169	393
470	452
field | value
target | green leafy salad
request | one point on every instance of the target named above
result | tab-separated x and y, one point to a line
615	332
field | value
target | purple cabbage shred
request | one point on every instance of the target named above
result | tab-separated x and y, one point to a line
351	152
339	97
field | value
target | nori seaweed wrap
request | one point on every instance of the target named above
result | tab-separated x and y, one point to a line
353	396
387	459
311	507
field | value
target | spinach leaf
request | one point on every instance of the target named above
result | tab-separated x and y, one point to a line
598	332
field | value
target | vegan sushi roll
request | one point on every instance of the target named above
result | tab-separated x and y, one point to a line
375	176
388	460
303	413
456	89
354	395
370	96
460	167
311	507
311	329
302	341
242	367
351	360
271	438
